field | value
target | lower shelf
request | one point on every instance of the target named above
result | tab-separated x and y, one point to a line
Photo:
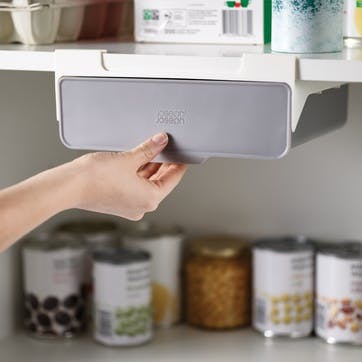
181	344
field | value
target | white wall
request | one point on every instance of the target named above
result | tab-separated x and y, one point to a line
316	190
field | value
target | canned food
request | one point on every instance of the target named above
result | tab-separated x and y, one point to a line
283	287
165	246
122	297
339	293
218	283
55	297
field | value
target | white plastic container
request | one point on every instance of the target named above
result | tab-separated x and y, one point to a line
71	19
36	26
165	247
353	23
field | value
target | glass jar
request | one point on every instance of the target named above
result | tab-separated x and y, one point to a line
54	286
218	283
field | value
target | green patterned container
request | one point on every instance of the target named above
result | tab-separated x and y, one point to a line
307	26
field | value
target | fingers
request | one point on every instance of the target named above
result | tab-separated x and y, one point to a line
147	151
149	170
170	178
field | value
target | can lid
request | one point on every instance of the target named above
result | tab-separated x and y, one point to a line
49	241
343	250
147	230
120	255
219	246
91	231
285	244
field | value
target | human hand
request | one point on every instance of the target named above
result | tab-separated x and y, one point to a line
127	184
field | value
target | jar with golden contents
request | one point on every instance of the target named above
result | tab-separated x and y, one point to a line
218	283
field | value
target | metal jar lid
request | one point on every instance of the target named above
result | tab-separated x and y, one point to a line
286	244
120	256
351	250
219	246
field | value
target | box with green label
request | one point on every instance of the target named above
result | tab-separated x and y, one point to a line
203	21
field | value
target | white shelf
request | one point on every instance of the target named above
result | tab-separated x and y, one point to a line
181	344
336	67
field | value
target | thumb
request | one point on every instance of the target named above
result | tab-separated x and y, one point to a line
147	151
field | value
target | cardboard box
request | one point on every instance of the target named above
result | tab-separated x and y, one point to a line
203	21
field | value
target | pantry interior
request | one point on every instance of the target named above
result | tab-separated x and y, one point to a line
315	190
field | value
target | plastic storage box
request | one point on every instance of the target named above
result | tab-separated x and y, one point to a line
47	21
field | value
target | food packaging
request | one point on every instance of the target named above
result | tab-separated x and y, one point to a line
203	21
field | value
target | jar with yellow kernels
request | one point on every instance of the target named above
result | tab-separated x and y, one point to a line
218	283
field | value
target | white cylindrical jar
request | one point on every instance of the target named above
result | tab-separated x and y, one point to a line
283	287
307	26
165	246
339	293
122	297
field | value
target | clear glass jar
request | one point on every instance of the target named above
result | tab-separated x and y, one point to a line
218	283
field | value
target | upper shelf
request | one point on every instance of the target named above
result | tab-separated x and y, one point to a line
345	67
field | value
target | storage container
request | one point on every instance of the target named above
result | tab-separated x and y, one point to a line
353	23
46	21
339	293
307	26
218	283
165	246
283	287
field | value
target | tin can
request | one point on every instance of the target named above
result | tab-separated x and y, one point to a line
165	245
218	280
54	282
353	23
94	234
307	26
122	297
339	293
283	287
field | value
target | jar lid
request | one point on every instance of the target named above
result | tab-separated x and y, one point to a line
219	246
120	255
285	244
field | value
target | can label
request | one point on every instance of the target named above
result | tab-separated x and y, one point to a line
165	269
353	19
339	299
283	292
213	21
122	299
54	291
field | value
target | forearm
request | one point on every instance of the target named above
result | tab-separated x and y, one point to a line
26	205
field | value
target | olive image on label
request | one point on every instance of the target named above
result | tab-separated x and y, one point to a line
54	273
122	297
